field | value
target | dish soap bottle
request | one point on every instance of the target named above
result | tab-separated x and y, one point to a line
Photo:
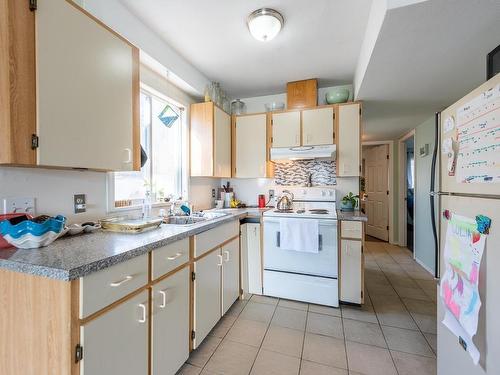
146	206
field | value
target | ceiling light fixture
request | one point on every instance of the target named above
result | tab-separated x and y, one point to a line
264	24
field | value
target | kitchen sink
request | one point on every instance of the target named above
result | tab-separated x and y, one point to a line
193	219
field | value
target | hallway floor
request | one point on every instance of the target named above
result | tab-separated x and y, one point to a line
393	333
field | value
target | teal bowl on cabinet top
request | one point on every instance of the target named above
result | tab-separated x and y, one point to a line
338	95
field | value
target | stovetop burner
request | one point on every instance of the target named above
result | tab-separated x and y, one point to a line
319	211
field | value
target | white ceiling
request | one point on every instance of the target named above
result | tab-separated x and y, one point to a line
321	39
426	57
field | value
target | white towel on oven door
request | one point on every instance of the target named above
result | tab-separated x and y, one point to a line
299	235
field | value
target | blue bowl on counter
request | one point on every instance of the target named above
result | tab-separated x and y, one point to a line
32	233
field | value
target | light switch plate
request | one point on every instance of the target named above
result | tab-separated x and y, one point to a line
18	205
80	203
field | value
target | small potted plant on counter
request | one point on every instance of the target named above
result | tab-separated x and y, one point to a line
349	202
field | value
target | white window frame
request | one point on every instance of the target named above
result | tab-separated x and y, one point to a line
110	177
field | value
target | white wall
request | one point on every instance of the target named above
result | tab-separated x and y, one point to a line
248	189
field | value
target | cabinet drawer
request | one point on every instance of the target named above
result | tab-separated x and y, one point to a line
169	257
102	288
351	229
212	238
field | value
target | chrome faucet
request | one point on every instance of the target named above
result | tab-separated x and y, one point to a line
309	179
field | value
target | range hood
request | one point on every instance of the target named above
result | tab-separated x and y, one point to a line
326	152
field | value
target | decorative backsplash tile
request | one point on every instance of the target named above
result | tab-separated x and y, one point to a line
295	172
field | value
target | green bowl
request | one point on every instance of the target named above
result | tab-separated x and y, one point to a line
340	95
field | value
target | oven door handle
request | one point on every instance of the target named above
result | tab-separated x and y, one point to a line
320	240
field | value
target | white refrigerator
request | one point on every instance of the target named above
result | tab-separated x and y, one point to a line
480	166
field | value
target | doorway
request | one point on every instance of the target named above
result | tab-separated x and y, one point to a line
410	190
375	190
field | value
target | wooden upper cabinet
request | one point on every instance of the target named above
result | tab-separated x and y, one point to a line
302	94
348	138
74	90
250	146
318	126
210	141
286	129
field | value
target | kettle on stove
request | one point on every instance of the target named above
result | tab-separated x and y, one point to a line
285	201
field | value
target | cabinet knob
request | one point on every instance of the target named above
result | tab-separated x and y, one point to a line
143	317
163	295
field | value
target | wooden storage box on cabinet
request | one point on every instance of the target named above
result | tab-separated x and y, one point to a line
210	141
301	94
73	95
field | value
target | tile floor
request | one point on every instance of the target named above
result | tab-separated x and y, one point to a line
393	333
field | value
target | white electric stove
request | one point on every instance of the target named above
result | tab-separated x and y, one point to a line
303	276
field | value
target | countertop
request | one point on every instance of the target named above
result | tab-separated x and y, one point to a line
72	257
355	215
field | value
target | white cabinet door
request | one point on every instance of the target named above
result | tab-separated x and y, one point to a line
348	140
317	126
230	274
117	342
170	323
250	144
87	91
286	129
254	259
207	296
222	143
350	271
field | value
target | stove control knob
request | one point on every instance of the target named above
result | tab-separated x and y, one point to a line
323	193
331	193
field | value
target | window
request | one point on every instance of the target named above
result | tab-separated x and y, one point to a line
162	175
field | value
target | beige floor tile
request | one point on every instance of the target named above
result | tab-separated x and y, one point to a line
232	358
284	340
415	293
407	341
410	364
200	356
420	275
223	326
369	360
405	282
432	340
362	313
325	350
293	304
237	307
312	368
426	323
249	332
272	363
365	333
290	318
260	312
264	299
381	289
420	307
325	325
327	310
188	369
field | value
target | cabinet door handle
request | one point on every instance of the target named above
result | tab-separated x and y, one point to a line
128	159
115	284
220	260
163	295
174	257
142	319
227	255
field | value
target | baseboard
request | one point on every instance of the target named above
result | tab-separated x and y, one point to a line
424	266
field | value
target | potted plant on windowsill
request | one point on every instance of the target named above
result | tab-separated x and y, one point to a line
349	202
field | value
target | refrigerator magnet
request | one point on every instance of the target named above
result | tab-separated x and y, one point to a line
449	124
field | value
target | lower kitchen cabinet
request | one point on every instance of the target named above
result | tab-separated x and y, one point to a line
117	341
170	323
251	259
351	269
207	296
230	274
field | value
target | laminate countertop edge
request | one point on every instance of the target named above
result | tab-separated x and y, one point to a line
70	258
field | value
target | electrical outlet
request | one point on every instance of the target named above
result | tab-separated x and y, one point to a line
18	205
271	194
213	193
79	202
